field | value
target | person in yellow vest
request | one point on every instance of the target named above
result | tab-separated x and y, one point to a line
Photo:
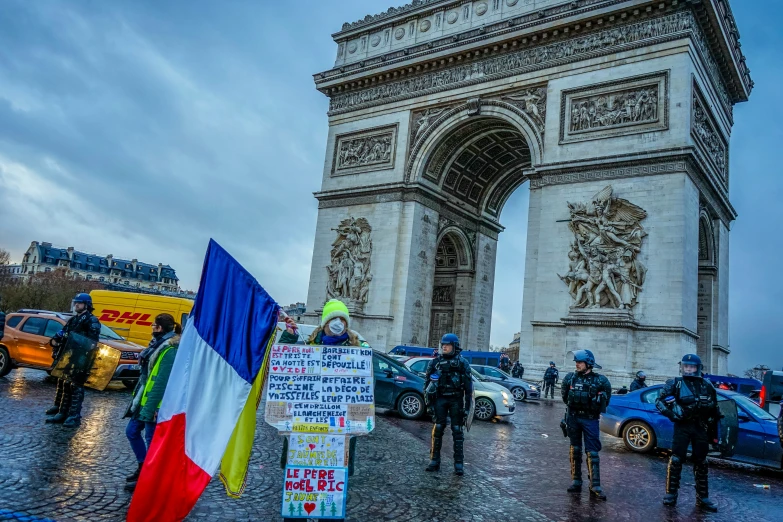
156	362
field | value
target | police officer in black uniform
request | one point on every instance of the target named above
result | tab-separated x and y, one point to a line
70	395
639	382
449	387
587	394
691	403
550	379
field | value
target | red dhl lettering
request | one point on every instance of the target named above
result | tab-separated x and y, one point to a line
113	316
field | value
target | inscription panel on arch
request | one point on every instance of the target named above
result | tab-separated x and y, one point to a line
365	150
617	108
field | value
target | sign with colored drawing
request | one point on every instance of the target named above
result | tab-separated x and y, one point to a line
309	449
314	492
321	389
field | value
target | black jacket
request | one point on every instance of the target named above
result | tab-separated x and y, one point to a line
687	393
638	385
84	324
551	375
440	363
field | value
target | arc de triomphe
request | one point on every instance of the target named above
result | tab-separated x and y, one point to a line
618	115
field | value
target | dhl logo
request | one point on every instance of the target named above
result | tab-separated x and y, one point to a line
113	316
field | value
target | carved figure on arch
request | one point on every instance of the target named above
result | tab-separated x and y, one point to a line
349	272
604	270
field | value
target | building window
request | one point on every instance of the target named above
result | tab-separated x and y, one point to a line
101	279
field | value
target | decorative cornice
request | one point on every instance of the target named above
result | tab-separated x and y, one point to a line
666	28
566	322
389	13
720	348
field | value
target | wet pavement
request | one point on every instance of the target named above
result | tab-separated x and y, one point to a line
516	470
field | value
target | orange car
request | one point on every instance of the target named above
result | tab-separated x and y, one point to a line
26	344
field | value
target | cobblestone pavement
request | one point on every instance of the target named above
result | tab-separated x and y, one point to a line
516	470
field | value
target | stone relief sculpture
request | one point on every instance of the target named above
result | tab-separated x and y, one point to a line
349	274
365	151
705	131
604	270
533	102
613	109
422	121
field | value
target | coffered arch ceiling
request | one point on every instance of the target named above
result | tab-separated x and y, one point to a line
480	163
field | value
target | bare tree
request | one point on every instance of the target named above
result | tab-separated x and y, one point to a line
757	372
5	257
45	291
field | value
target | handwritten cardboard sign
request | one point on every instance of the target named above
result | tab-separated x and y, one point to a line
295	359
315	389
345	360
314	492
326	451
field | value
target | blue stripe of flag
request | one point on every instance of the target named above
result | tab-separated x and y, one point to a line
233	313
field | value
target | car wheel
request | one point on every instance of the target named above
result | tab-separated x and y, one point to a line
639	437
410	405
519	394
485	409
129	383
5	362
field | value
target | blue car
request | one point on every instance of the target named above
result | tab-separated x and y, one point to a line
643	428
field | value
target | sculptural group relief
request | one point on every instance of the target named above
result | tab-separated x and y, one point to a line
367	150
604	270
706	133
349	273
615	108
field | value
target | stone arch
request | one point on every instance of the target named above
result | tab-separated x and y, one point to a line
706	240
454	130
462	244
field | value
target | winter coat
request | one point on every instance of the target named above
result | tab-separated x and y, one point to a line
638	384
156	362
551	375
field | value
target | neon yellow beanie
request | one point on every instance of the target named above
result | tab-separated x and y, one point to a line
335	308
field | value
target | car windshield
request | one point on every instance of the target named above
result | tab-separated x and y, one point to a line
752	407
477	375
108	333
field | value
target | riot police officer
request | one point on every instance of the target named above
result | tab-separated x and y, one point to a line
449	387
587	394
70	395
639	382
550	379
691	402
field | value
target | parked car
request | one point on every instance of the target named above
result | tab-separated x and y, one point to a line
26	344
520	389
397	388
492	400
643	428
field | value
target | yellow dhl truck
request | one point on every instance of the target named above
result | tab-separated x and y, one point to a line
131	314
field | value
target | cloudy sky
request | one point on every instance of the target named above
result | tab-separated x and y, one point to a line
144	128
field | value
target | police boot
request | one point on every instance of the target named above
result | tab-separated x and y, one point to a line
437	443
65	393
576	469
459	454
74	419
702	488
672	481
594	470
58	397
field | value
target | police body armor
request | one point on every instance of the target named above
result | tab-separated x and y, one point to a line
447	378
585	397
685	405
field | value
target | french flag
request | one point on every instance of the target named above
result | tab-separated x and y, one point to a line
221	352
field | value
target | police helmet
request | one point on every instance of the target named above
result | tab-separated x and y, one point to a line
451	339
83	298
552	363
587	357
641	375
691	359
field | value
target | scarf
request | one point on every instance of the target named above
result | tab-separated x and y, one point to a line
332	340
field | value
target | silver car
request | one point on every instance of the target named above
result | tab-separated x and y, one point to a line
520	389
491	399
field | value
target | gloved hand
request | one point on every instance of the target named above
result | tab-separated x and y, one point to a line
466	414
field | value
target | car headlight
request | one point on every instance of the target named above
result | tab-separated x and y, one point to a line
533	388
505	396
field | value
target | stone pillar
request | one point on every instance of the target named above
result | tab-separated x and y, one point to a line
480	322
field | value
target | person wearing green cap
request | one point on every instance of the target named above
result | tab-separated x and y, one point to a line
333	331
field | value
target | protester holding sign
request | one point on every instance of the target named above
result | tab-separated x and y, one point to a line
338	375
